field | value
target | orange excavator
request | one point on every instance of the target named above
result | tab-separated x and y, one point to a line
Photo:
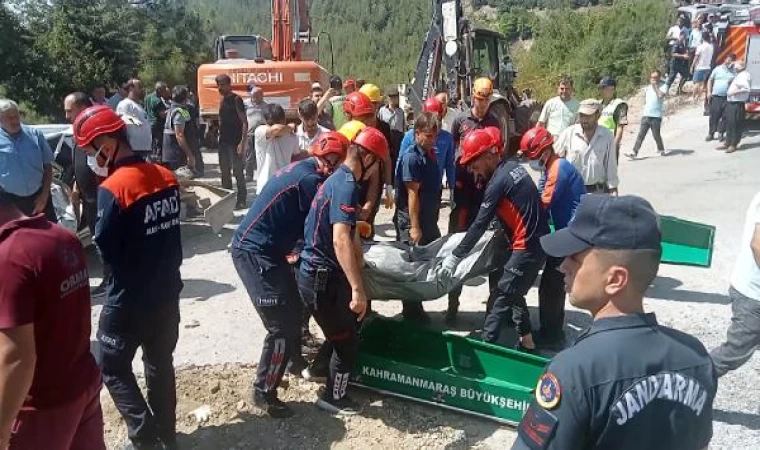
284	67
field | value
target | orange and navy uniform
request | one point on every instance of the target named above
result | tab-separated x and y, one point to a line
561	188
138	233
512	196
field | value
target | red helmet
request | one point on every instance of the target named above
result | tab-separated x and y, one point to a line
476	143
358	104
432	105
535	141
95	121
374	141
329	143
495	134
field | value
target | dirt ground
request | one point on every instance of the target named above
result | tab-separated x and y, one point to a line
233	423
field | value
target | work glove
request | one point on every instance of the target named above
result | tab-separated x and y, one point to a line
447	266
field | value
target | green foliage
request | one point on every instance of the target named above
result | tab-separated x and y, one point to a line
61	46
378	40
624	41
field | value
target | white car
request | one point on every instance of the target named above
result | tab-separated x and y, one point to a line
61	141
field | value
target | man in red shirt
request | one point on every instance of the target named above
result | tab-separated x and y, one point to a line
49	382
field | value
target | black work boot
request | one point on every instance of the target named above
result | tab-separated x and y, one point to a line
273	406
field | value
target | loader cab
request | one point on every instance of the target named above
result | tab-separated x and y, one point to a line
248	47
490	57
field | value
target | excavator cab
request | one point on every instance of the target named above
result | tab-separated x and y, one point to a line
248	47
490	57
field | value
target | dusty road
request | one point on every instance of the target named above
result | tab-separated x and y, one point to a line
219	325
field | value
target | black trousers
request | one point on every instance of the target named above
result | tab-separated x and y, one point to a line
717	108
230	161
120	332
157	134
330	308
551	297
734	118
26	205
508	295
676	69
88	188
649	123
430	232
272	287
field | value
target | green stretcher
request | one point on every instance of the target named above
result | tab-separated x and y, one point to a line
446	370
686	243
683	242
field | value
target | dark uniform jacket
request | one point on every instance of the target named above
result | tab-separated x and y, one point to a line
138	233
275	221
627	383
512	196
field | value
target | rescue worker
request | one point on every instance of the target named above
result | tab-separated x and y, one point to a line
510	195
444	143
561	187
138	235
418	197
614	115
467	192
359	107
627	382
330	277
376	97
263	240
478	116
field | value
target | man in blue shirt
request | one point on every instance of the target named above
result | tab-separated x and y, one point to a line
561	187
330	277
418	197
717	89
260	246
444	144
26	170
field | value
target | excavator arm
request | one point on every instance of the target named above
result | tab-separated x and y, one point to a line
443	46
291	29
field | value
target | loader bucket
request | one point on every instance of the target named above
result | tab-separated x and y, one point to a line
446	370
215	203
686	243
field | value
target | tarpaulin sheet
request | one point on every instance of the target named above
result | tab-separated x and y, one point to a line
396	271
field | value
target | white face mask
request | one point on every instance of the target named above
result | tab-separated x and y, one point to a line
92	162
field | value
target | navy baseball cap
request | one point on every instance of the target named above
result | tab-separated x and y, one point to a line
607	222
608	81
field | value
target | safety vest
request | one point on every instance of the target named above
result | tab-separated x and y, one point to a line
607	118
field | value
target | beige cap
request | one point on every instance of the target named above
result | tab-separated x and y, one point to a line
589	107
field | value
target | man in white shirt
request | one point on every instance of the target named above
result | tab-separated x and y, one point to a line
447	118
561	111
309	130
131	111
743	335
675	31
276	145
590	147
738	96
702	64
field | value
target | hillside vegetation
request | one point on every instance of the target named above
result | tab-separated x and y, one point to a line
52	48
